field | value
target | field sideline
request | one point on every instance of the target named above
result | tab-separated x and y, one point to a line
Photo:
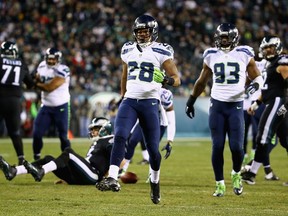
187	184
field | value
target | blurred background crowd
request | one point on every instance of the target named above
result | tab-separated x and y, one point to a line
90	35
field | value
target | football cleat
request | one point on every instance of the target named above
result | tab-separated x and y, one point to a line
237	183
248	177
21	160
8	170
155	192
271	177
220	190
37	174
107	184
143	162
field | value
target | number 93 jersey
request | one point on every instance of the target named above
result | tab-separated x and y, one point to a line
141	63
229	72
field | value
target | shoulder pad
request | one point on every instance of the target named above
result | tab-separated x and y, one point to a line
246	49
209	51
127	47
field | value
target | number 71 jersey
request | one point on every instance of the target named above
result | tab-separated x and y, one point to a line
229	72
141	63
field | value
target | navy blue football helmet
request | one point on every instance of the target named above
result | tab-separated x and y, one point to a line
267	42
145	22
53	56
226	36
9	50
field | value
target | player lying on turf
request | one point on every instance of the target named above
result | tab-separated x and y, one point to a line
70	166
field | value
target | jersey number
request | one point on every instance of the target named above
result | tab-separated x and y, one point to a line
220	69
8	69
145	73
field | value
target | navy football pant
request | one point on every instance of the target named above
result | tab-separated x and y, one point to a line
226	118
147	111
136	137
46	116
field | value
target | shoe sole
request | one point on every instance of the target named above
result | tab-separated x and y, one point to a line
238	191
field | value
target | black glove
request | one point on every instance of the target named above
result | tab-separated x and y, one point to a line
190	111
282	110
168	148
252	88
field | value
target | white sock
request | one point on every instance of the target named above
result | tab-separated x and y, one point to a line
21	170
126	165
154	175
255	167
145	155
113	171
233	172
221	182
49	167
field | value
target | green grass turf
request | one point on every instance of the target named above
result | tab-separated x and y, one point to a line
187	184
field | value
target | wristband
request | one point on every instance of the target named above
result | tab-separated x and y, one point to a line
258	102
191	100
169	81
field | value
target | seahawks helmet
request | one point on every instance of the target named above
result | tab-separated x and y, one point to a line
267	42
226	36
145	22
9	50
53	56
102	124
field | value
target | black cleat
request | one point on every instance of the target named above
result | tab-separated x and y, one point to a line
21	161
8	170
248	177
107	184
37	174
155	192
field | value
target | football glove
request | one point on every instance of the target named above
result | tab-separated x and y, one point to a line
252	88
282	111
168	148
158	75
190	111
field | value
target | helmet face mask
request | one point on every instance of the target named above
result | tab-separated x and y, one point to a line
270	47
53	57
226	37
145	30
99	127
9	50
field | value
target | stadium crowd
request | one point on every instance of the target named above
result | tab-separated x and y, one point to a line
90	33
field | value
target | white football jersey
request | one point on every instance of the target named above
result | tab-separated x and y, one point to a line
166	98
61	94
141	67
248	100
229	72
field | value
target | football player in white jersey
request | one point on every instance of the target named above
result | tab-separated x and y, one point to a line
252	120
136	136
142	78
226	64
55	100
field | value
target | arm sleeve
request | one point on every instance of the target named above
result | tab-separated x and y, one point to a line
171	128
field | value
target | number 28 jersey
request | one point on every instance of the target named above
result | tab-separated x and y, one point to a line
141	67
229	72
